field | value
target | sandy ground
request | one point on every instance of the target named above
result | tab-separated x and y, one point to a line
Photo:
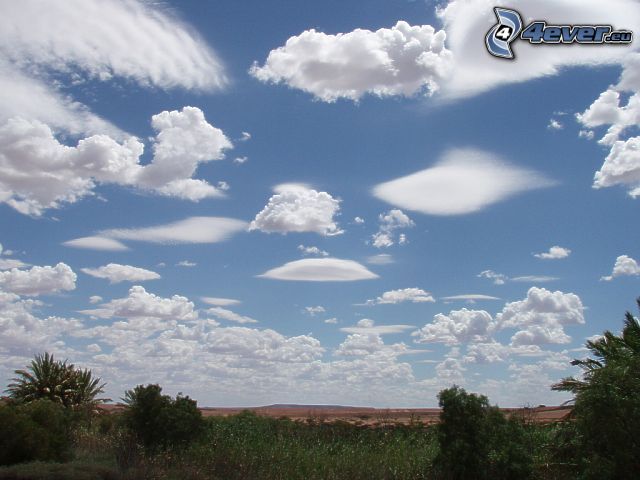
369	416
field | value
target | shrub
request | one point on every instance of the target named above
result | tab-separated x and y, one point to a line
477	441
39	430
160	422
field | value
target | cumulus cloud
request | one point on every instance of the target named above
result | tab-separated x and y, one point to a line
224	314
463	181
368	327
38	280
413	295
96	243
189	230
459	326
9	263
40	173
401	60
498	278
116	273
624	266
312	251
135	41
298	208
141	304
220	302
313	311
555	125
390	222
320	270
554	253
622	166
541	316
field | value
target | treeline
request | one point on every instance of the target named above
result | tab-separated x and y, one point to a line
50	429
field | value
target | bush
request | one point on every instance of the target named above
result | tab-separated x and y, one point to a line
40	430
159	422
477	441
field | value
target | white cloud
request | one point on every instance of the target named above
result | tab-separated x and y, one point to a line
298	208
320	270
40	173
93	299
368	327
490	352
390	222
464	181
184	140
186	264
380	259
116	273
457	327
472	297
140	304
358	220
246	136
541	317
313	311
401	60
96	243
555	125
241	160
474	70
498	278
365	344
224	314
136	41
554	253
624	266
312	251
189	230
38	280
534	279
331	321
24	334
621	167
501	279
413	295
220	302
9	263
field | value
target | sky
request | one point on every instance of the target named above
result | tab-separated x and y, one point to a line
327	202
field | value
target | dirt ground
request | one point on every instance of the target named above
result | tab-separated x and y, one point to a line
370	416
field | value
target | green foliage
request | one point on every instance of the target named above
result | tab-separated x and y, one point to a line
40	430
57	381
607	404
160	422
477	441
58	471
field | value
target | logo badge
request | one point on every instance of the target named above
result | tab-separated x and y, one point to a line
501	35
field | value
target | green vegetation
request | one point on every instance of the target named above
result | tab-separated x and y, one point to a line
57	381
607	405
44	434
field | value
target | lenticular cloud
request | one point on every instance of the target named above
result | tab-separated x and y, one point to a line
464	181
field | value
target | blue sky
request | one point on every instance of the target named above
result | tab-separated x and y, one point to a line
328	202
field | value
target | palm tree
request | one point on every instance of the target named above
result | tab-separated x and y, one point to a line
610	351
55	380
607	404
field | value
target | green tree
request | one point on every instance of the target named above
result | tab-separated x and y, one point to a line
160	422
57	381
477	441
607	404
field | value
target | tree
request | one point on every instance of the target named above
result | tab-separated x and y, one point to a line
160	422
607	403
477	441
58	381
